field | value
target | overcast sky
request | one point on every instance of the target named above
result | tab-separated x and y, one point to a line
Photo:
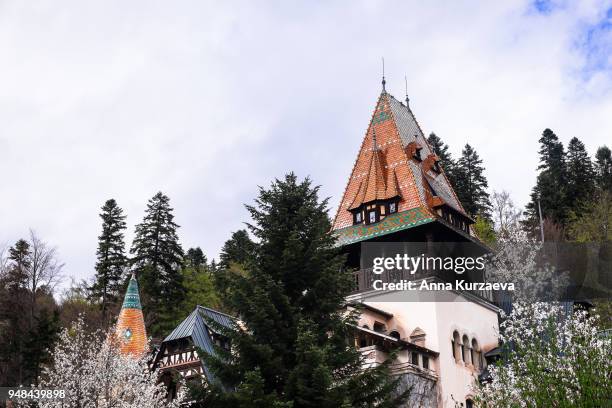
207	100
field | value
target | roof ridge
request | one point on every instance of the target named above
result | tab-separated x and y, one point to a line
214	310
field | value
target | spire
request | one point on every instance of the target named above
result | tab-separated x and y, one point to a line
407	99
130	330
132	297
383	76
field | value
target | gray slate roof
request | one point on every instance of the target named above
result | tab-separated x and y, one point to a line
410	131
196	328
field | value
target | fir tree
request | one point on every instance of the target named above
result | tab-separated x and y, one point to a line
157	261
112	261
580	176
236	249
292	347
195	259
446	160
20	256
550	184
471	187
603	168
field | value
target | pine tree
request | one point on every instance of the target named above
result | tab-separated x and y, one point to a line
157	261
580	186
603	168
236	249
292	346
550	185
471	187
446	161
112	261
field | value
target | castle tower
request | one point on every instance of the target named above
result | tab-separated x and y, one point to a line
398	192
131	330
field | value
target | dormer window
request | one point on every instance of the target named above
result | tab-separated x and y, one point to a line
372	216
417	154
358	217
392	208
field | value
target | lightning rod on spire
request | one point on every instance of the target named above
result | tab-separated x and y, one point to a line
406	83
383	74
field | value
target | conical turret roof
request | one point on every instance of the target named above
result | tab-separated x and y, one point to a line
395	160
131	331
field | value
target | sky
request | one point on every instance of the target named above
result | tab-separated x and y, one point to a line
206	101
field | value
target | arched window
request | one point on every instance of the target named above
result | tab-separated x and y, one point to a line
465	350
469	403
456	343
475	354
395	334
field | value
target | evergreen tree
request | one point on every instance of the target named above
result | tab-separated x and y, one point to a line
157	261
580	176
603	168
236	249
112	261
292	347
471	187
550	185
38	343
195	259
446	160
20	256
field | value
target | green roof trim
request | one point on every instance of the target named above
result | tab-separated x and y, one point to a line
132	297
391	223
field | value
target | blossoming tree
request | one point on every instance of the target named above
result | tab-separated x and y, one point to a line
552	358
93	373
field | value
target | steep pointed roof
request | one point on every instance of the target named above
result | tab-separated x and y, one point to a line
394	160
130	329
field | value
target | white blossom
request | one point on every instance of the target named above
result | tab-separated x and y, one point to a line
555	357
93	372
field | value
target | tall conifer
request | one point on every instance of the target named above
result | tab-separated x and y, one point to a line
603	168
580	186
292	347
550	185
157	261
112	261
471	183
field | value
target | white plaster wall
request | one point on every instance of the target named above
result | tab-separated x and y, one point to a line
438	320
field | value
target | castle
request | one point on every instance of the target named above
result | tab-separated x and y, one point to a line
397	192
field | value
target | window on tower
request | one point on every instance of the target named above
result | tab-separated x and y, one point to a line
358	217
372	216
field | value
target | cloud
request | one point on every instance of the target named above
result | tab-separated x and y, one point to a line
206	101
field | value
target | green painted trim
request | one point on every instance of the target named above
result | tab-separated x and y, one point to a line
132	298
392	223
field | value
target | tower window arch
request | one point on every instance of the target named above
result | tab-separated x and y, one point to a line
456	344
476	356
465	350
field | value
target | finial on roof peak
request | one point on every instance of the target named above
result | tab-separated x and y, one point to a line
383	75
407	99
